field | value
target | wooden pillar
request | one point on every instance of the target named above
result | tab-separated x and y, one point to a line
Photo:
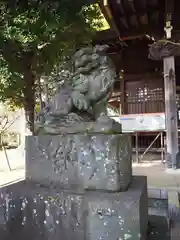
137	147
122	90
170	112
162	148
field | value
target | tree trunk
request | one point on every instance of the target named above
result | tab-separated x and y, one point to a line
29	99
40	93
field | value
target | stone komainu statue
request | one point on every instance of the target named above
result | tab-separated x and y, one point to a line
85	95
93	79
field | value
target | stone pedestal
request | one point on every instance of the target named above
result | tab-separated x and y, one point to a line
122	215
34	212
80	161
78	186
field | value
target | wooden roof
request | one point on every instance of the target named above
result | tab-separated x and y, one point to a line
138	17
133	24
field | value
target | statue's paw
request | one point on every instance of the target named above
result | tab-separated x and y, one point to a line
85	105
80	102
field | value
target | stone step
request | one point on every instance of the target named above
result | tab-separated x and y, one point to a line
174	214
165	203
174	205
158	207
157	193
158	212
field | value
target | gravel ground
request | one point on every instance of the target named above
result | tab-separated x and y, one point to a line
16	161
15	158
9	177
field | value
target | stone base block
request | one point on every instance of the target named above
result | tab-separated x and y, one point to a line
119	216
80	161
32	212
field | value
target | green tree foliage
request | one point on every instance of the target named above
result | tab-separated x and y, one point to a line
34	36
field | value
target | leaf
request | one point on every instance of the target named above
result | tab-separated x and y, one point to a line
37	36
